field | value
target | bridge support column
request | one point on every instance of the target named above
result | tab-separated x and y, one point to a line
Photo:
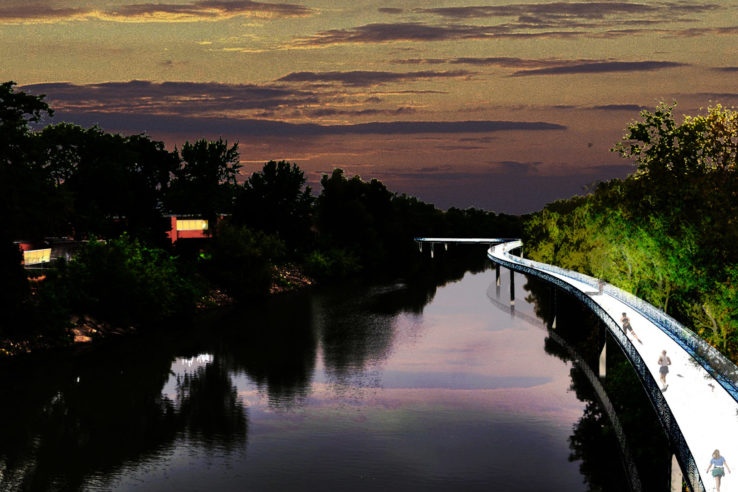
676	475
497	274
432	248
445	246
420	246
554	293
603	360
512	288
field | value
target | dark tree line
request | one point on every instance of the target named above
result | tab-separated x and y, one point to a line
67	181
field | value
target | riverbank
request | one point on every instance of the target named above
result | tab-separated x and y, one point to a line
84	330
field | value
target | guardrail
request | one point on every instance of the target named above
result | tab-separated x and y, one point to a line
719	367
679	445
716	364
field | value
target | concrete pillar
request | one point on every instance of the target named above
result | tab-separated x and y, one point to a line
445	245
512	288
553	323
420	246
676	475
603	360
497	274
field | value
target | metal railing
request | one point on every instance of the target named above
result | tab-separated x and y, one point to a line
716	364
667	324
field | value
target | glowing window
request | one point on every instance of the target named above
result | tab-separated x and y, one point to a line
36	256
192	225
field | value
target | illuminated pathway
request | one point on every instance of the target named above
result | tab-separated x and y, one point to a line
699	409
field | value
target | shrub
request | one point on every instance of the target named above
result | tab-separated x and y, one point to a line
241	260
124	281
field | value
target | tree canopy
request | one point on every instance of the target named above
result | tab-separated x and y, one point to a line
668	232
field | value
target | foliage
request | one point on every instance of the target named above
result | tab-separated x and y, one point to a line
665	233
125	282
377	226
241	260
332	264
275	200
15	289
108	183
204	180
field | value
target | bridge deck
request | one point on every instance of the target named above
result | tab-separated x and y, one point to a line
706	413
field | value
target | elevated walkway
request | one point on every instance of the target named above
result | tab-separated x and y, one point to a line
699	409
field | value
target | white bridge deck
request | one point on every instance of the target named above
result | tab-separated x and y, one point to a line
706	413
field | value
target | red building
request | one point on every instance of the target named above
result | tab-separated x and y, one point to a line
187	227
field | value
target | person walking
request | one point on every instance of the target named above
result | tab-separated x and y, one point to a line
718	463
664	363
625	321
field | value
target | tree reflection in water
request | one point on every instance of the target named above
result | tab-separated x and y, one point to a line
128	408
70	420
593	440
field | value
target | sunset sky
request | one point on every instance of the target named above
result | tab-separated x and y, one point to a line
499	105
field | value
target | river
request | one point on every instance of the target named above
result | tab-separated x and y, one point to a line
386	387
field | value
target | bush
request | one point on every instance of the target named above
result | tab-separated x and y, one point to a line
125	282
333	264
241	260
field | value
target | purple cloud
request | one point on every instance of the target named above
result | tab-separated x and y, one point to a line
600	67
581	10
214	8
364	78
32	12
619	107
405	31
245	128
170	97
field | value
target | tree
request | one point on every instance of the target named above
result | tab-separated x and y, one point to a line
275	200
242	260
27	197
111	183
17	111
205	180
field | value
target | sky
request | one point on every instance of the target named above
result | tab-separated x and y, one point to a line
500	105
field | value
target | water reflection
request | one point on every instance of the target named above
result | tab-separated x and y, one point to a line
275	347
91	418
408	385
593	438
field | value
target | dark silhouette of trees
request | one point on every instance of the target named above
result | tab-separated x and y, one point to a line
110	183
275	200
205	179
27	198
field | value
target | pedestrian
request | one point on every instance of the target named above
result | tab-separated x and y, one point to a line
664	363
717	463
627	328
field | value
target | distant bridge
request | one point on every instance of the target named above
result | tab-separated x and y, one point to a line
699	410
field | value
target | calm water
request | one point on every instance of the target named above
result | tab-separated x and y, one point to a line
396	387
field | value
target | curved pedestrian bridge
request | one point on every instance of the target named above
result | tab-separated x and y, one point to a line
699	408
